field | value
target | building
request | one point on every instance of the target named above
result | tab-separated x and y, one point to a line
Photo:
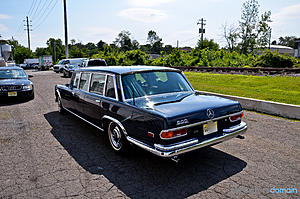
297	48
282	49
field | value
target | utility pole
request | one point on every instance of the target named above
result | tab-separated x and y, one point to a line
54	49
28	29
66	29
201	29
177	44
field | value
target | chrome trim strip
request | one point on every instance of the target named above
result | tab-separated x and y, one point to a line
84	119
190	145
116	121
235	128
199	123
177	145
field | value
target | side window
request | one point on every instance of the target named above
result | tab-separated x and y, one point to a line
84	81
110	87
97	83
75	80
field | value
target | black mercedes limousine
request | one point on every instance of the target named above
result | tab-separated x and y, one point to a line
155	108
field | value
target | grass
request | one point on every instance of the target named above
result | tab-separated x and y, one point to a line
284	89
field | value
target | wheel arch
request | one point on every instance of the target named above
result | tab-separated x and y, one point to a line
106	119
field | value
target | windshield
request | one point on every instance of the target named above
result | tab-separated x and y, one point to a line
12	74
153	83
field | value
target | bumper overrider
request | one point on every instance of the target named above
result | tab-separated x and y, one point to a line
191	144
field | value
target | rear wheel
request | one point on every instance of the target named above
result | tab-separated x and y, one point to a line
116	138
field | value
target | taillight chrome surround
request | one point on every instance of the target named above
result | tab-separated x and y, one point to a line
236	117
167	134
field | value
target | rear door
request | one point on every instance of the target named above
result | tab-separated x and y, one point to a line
93	99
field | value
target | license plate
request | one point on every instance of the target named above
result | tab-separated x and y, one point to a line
210	127
12	94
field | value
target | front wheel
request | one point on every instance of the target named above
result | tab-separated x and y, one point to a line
116	138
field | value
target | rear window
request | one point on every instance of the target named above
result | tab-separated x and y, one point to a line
96	63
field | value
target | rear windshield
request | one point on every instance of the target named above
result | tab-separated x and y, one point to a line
96	63
154	83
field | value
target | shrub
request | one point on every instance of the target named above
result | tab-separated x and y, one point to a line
274	60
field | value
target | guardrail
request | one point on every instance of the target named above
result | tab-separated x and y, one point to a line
244	70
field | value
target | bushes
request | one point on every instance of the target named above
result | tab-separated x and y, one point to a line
274	60
198	57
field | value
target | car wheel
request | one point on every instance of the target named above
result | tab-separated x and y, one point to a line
64	74
116	138
61	109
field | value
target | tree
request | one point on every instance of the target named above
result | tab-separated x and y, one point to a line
254	31
22	53
155	42
59	48
123	41
248	22
100	45
287	41
210	44
231	36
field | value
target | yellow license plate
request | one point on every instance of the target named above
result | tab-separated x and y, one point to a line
12	94
210	127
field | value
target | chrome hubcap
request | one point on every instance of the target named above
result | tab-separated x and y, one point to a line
115	136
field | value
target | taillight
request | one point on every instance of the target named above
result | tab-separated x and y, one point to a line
236	117
173	134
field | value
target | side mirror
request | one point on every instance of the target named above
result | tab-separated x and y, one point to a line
30	76
67	85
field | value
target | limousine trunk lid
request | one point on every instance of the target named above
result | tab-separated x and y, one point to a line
180	109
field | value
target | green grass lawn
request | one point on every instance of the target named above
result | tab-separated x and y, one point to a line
284	89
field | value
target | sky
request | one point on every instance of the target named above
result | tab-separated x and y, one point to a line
172	20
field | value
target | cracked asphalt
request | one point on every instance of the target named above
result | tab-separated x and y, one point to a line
47	155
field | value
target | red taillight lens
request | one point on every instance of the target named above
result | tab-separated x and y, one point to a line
173	134
236	117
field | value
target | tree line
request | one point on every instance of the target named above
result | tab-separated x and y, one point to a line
252	35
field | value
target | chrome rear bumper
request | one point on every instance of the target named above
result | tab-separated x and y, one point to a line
191	144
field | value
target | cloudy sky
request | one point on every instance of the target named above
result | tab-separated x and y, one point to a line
94	20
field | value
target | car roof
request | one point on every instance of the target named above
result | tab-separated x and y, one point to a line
126	69
10	68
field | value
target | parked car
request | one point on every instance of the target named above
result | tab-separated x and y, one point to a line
154	108
14	83
65	63
68	70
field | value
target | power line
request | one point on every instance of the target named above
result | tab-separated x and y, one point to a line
41	17
36	9
42	11
49	11
31	7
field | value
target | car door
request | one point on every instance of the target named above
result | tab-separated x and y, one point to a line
69	95
83	89
94	97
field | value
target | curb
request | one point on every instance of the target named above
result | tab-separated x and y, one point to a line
273	108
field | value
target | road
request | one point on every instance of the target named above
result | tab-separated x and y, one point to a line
47	155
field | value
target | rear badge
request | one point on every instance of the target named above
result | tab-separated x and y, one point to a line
210	113
180	122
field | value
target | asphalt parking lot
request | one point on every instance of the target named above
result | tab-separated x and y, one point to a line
47	155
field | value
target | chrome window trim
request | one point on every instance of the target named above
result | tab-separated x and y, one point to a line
199	123
115	86
105	83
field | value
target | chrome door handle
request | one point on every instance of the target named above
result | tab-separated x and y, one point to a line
98	101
